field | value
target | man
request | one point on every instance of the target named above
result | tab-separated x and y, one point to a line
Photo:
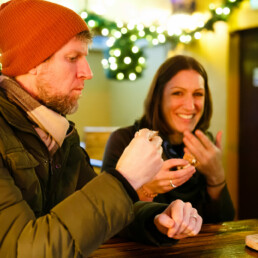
52	204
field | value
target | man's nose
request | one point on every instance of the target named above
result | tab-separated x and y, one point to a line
84	70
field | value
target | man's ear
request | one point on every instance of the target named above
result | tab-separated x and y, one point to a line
33	71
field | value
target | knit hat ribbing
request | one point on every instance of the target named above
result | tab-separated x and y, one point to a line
33	30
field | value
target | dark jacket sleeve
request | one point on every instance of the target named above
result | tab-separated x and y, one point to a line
219	210
142	229
73	228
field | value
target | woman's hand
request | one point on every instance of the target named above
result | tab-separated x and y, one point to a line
166	180
179	220
208	154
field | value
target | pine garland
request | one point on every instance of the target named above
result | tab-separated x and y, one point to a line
121	62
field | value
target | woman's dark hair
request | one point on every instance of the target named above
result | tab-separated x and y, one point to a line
153	117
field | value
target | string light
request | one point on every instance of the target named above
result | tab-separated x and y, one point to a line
161	38
110	42
91	23
133	38
119	24
120	76
132	76
226	11
123	30
141	60
152	28
219	10
141	33
104	32
111	60
135	49
140	27
197	35
127	60
113	66
130	26
117	52
138	69
84	15
104	63
155	42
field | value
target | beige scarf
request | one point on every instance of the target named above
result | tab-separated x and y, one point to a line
52	127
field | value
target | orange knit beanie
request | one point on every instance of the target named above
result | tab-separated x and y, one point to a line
33	30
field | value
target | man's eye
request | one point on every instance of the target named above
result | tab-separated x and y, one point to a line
72	58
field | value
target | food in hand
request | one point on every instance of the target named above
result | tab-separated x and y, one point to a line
191	159
153	137
150	133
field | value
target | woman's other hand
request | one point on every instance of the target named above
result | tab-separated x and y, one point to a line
208	154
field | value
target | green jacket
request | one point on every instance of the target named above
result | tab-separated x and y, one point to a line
47	206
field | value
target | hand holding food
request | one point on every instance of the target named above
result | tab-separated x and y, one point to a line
167	178
141	159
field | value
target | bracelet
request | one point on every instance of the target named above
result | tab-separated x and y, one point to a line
219	184
149	195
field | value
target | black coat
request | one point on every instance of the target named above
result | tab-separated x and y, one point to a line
194	190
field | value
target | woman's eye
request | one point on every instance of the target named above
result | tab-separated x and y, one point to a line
176	93
199	94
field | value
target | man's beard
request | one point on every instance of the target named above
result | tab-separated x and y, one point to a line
63	104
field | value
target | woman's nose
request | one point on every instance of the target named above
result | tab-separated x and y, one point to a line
189	103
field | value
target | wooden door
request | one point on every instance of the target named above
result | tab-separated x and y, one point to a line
248	124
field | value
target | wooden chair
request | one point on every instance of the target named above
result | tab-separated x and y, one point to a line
95	141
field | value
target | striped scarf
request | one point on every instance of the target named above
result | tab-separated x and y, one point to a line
52	127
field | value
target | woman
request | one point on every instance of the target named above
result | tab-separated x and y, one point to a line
179	107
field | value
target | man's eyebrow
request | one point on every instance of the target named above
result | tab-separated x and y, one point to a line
77	52
74	51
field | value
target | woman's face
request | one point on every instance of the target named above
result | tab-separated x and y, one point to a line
183	101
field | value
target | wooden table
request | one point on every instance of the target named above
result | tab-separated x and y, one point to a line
225	240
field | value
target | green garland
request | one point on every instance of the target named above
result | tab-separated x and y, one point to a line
124	58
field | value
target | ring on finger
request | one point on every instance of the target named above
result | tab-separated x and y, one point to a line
171	184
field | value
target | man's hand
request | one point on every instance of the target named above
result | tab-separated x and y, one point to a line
141	159
179	220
